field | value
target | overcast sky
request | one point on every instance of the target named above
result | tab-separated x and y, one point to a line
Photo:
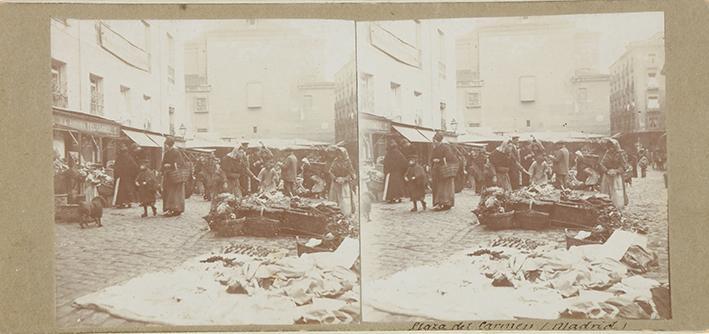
616	30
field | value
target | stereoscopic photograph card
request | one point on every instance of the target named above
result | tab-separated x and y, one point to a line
354	167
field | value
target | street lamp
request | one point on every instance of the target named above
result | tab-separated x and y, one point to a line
183	130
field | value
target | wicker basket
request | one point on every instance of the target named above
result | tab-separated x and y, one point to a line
61	199
499	221
572	241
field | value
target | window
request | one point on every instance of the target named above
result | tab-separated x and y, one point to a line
473	100
254	95
96	84
529	123
418	105
394	99
652	80
473	125
255	129
171	112
307	107
651	58
59	91
202	130
527	88
653	103
252	22
125	94
200	105
582	95
171	59
366	93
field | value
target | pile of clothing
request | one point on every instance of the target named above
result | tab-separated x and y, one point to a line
540	282
242	286
275	214
493	200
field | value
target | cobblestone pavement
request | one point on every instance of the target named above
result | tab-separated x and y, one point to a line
396	238
127	246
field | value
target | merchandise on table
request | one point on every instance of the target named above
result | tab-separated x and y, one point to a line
275	214
539	207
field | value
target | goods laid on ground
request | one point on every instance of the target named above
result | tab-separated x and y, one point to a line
529	280
242	285
273	214
542	207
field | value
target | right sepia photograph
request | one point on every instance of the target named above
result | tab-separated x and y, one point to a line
513	168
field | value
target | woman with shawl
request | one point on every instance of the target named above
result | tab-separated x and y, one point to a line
614	166
442	158
502	161
395	165
341	174
173	188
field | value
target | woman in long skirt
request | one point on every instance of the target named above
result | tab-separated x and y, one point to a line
442	158
502	163
395	165
614	166
340	192
173	188
125	169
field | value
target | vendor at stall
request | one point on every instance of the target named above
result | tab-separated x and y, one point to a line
289	172
342	174
614	166
501	162
561	165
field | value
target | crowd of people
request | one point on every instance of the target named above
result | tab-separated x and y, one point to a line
598	165
241	172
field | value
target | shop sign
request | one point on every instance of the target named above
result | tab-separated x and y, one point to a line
87	126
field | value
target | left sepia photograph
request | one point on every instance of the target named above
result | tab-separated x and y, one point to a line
205	172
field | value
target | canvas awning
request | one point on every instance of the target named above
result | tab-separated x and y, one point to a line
411	134
160	140
140	138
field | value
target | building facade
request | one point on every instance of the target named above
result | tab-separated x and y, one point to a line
638	88
406	73
109	77
239	86
531	74
346	108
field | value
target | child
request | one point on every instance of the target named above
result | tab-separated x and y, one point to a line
538	171
415	178
268	178
147	184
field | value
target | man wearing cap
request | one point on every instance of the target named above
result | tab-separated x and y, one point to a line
561	165
245	178
516	168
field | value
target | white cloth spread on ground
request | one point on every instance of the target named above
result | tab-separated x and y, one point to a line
281	290
516	284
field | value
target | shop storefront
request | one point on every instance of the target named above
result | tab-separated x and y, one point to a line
84	138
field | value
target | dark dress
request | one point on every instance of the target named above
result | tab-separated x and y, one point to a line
173	192
443	187
416	185
502	163
125	169
232	167
147	187
395	165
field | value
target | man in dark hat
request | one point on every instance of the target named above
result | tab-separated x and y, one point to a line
245	178
394	168
125	169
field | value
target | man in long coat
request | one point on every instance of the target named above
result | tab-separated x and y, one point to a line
173	186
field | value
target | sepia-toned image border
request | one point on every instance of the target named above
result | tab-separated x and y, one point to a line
28	210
